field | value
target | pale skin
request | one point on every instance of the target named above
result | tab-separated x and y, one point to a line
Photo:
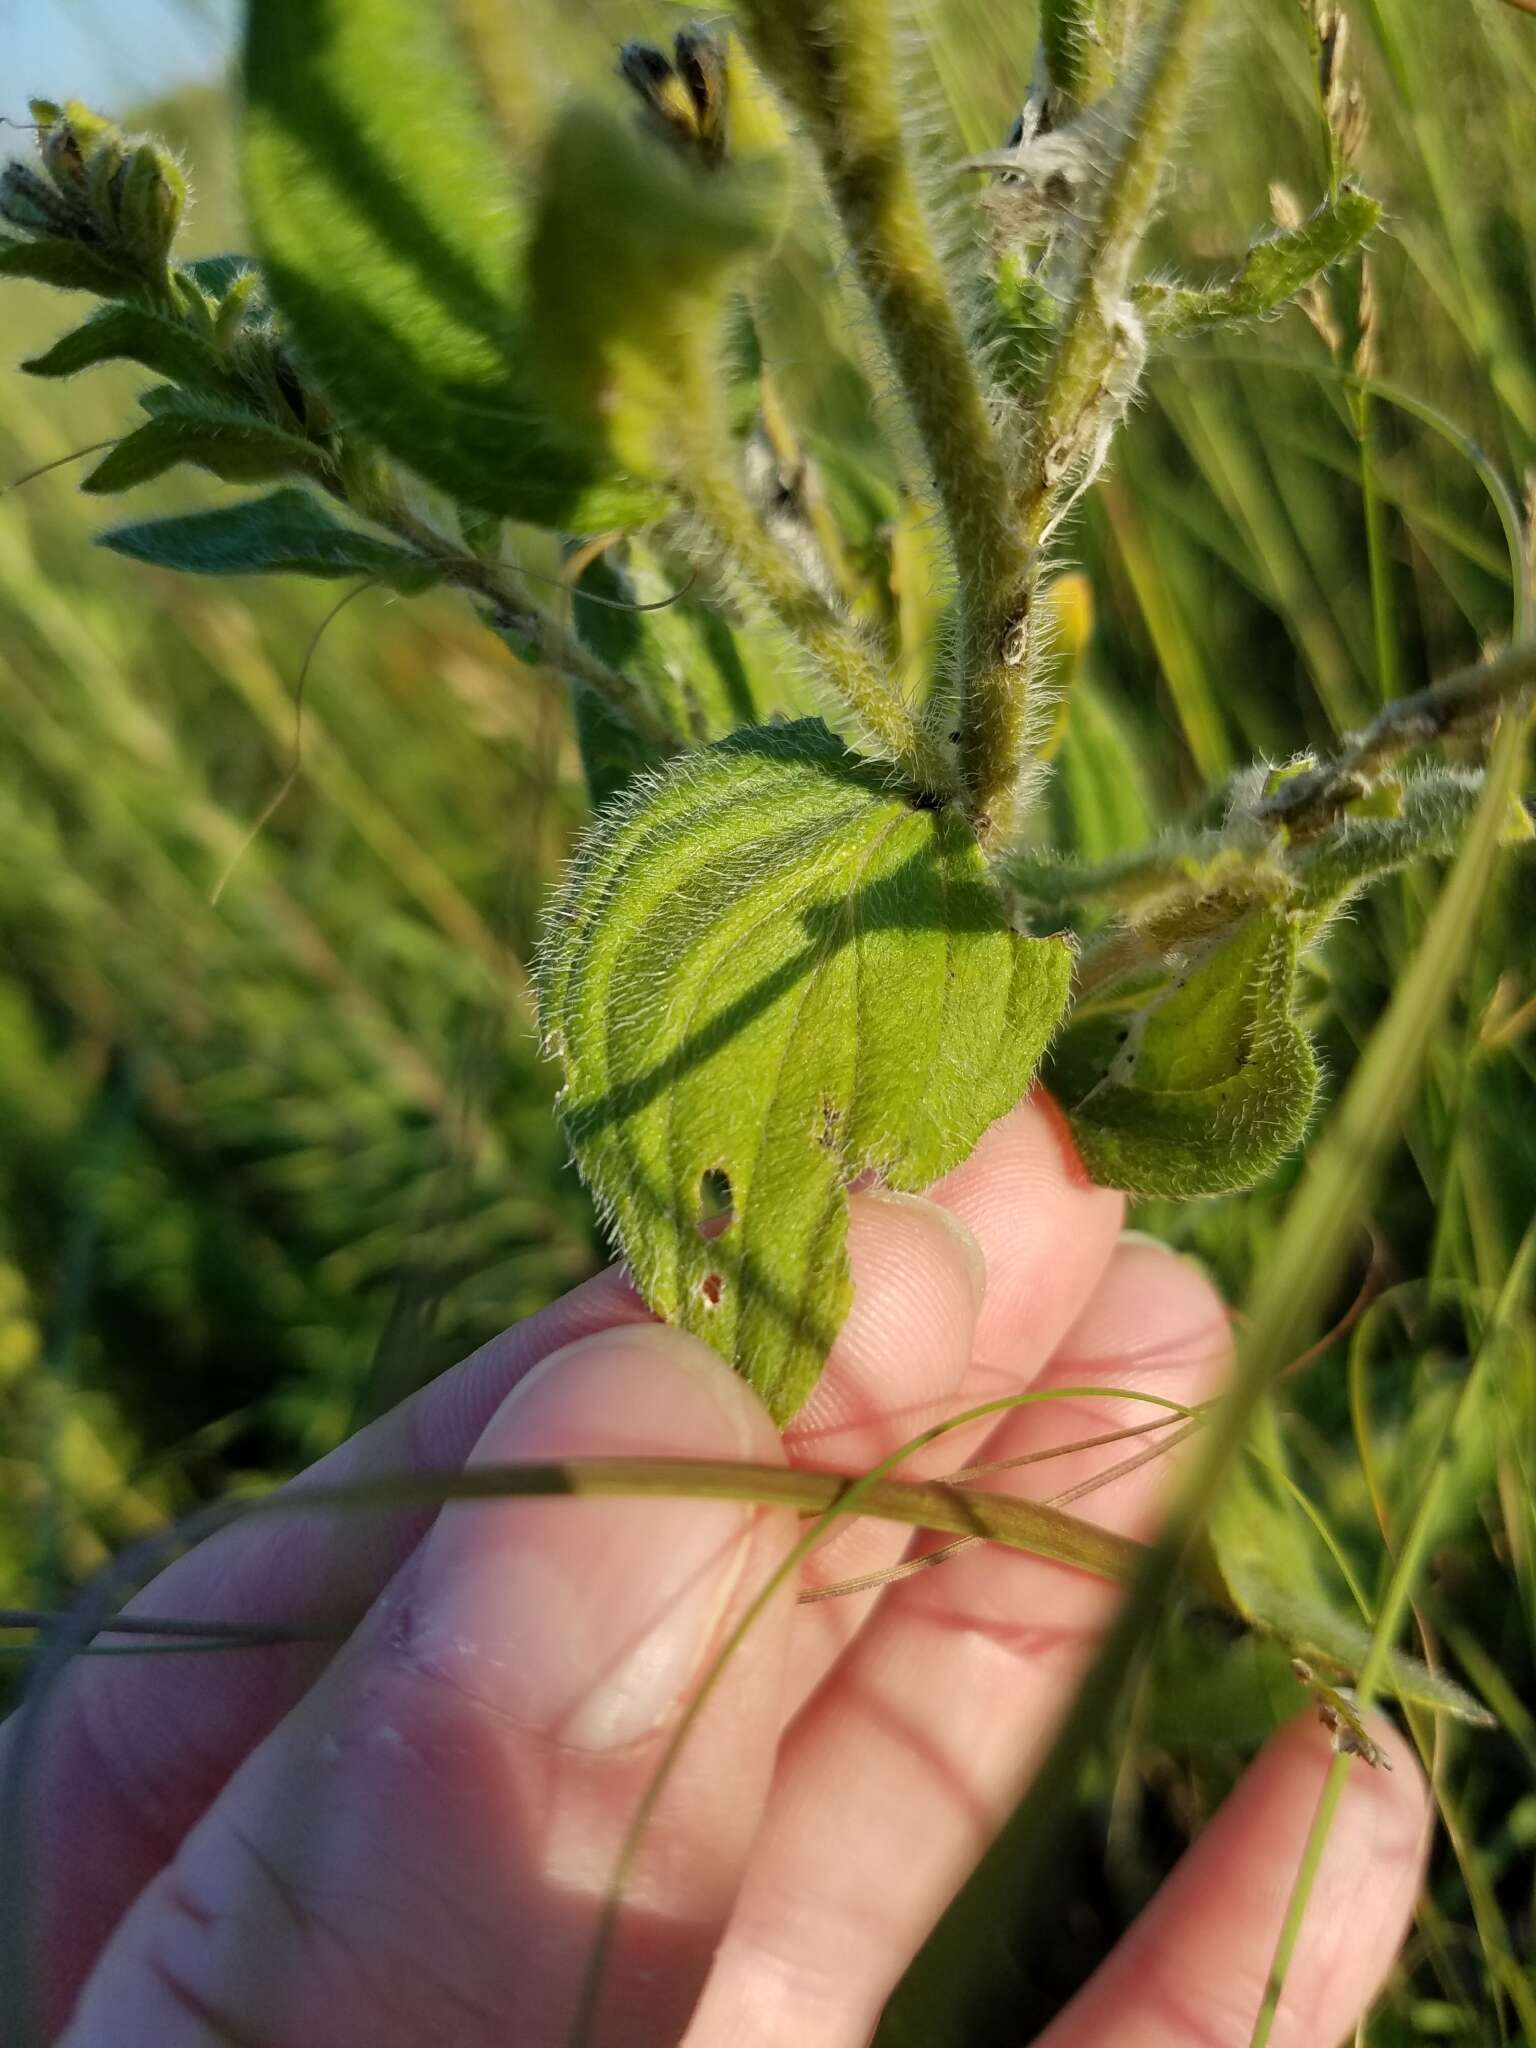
406	1841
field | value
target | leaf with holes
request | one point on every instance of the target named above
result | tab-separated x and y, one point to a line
1204	1086
769	973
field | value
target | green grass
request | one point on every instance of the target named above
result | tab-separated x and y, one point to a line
266	1164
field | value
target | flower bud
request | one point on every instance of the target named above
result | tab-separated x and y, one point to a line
26	201
104	180
151	198
68	138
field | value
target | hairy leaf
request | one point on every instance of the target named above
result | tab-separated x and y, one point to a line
768	974
135	334
1203	1087
628	264
228	441
389	225
286	531
1421	818
1273	272
72	266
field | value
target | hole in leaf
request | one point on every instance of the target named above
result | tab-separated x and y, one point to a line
830	1122
714	1202
712	1287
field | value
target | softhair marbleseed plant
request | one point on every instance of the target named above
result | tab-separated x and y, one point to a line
506	341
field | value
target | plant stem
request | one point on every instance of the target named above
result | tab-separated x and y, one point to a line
1091	336
1305	806
557	644
712	495
1472	696
834	59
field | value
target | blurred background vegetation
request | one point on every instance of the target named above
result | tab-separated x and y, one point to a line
269	1161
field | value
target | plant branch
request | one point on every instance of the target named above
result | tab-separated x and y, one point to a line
834	60
1472	697
1225	873
712	495
513	605
1080	379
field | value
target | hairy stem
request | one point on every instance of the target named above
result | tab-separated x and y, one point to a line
1471	697
1080	376
510	602
713	495
833	59
1304	807
1081	45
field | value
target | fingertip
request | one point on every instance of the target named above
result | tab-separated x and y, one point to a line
1045	1230
1199	1963
638	1390
1388	1806
1153	1310
919	1280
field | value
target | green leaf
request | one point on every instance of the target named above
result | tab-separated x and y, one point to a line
1022	325
389	226
72	266
135	334
1273	272
1205	1086
612	752
1100	800
1267	1561
288	531
631	253
1426	819
769	973
637	610
216	275
236	445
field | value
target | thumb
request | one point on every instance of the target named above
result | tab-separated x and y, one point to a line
424	1846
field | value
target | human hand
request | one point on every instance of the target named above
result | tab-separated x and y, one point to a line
408	1840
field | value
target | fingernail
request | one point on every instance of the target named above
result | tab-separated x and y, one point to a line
588	1621
932	1216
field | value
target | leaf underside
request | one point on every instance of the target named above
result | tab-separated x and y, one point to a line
390	229
1203	1088
287	531
769	974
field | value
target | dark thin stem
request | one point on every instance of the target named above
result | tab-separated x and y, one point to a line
1470	698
